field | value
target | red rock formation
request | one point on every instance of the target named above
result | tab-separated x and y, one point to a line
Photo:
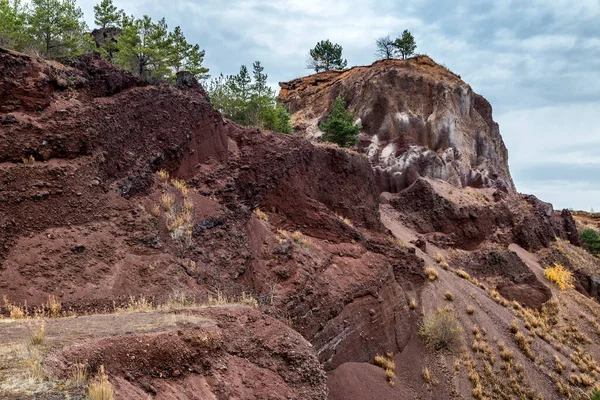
418	118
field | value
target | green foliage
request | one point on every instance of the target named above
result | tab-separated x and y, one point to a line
406	44
326	56
595	395
249	102
57	28
106	15
149	50
591	240
441	329
386	48
13	16
340	127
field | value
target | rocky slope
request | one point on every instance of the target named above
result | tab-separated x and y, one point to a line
418	118
116	192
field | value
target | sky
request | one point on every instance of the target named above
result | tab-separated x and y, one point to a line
536	61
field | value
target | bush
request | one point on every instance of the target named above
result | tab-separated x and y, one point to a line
591	240
340	128
431	273
441	329
561	276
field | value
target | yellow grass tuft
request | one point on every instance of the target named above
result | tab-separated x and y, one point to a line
101	388
37	333
439	258
167	201
15	311
426	375
431	273
470	310
260	214
463	274
345	220
561	276
29	160
387	363
163	175
449	296
413	303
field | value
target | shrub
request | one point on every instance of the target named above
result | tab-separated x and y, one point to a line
595	394
37	333
426	375
449	296
413	304
260	214
470	310
441	329
439	258
340	127
431	273
591	240
561	276
387	363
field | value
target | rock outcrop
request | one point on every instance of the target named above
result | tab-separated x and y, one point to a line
418	118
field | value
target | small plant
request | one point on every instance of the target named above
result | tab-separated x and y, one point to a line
444	265
163	175
470	310
431	273
29	160
258	213
559	366
188	206
441	329
449	296
387	363
439	258
561	276
100	388
155	210
14	311
514	326
37	333
345	220
54	307
523	344
595	394
299	238
426	375
167	201
413	303
78	375
34	363
463	274
181	185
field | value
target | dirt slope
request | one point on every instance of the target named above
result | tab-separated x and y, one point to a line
116	192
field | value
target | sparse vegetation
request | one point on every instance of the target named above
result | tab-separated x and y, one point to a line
413	303
163	175
14	311
345	220
387	363
258	213
79	375
29	160
100	388
167	201
431	273
445	265
37	332
441	329
590	238
561	276
470	310
438	258
426	375
463	274
449	296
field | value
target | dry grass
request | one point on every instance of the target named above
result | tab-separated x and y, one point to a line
439	258
449	296
431	273
413	303
163	175
387	363
136	305
100	388
37	332
561	276
34	363
15	311
470	310
258	213
167	201
79	375
345	220
523	344
559	366
426	375
441	330
463	274
180	185
299	238
29	160
54	307
445	265
155	211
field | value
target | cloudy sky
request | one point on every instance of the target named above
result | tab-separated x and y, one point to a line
536	61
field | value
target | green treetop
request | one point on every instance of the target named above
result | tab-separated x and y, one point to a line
326	56
340	127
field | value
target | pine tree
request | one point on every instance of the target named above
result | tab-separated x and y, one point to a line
340	127
326	56
106	15
13	20
406	44
58	29
193	63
